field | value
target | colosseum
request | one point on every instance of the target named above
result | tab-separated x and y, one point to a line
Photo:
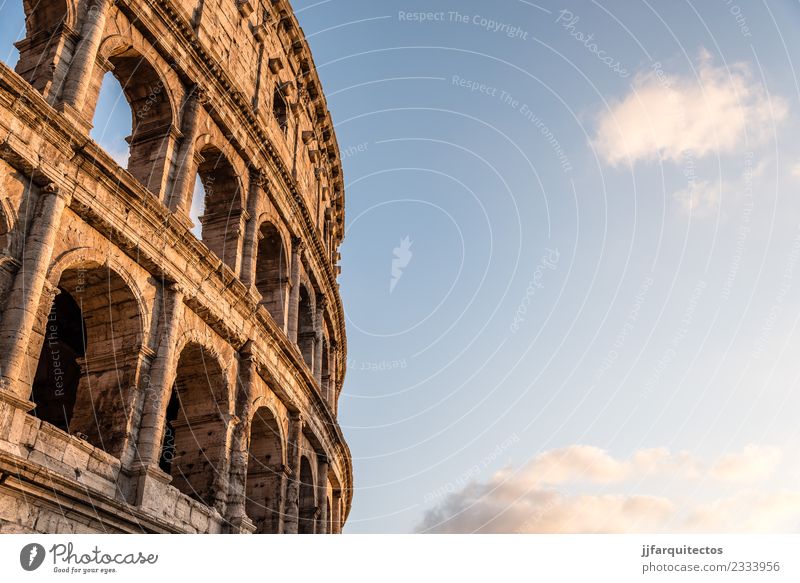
157	375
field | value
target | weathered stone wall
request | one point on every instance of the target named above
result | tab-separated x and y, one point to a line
153	381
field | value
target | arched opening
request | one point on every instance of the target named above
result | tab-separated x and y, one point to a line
221	212
264	470
193	450
196	207
12	31
308	505
280	110
272	277
112	120
149	144
40	62
305	328
55	385
90	358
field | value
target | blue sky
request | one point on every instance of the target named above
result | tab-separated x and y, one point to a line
570	267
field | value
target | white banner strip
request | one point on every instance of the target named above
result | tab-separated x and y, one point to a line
361	558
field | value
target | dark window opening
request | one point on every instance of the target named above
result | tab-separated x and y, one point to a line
55	386
168	443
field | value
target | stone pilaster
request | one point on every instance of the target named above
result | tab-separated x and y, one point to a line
336	509
79	75
322	494
158	387
292	501
237	488
283	487
333	374
25	294
294	293
179	197
252	236
222	473
319	326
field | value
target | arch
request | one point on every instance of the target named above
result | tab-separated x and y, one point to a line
306	335
193	447
272	272
151	104
307	502
221	205
264	470
47	30
89	362
44	18
84	258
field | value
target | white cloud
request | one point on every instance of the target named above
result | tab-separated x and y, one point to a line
541	497
748	511
718	111
585	463
753	464
698	199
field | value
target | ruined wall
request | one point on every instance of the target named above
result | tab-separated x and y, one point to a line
151	380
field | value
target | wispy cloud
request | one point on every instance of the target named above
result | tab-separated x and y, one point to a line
699	199
566	490
719	110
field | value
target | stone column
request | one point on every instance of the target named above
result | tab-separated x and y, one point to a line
319	325
158	389
80	71
322	494
237	488
178	198
294	293
292	501
221	482
251	234
336	508
22	302
333	374
283	485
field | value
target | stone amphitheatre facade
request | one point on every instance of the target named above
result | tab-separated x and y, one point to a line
153	380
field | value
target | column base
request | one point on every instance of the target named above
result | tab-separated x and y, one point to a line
13	411
75	117
242	525
151	482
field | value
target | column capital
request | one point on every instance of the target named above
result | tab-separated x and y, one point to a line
199	94
298	245
247	352
175	287
51	188
258	177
